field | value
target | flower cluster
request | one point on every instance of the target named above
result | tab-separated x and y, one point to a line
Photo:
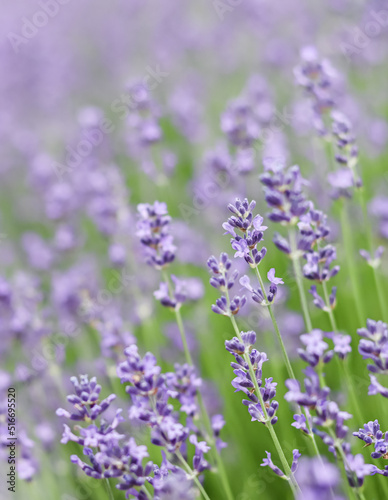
283	190
151	392
374	346
371	434
246	230
224	281
102	445
316	76
85	401
244	382
153	230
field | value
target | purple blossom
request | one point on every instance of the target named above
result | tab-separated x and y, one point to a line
246	230
86	400
342	345
153	230
316	349
376	260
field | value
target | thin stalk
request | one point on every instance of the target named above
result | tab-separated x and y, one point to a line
380	295
192	474
292	481
146	492
109	489
348	377
287	360
205	417
356	491
299	281
276	328
348	244
372	248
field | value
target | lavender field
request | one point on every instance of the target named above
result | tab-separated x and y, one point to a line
193	222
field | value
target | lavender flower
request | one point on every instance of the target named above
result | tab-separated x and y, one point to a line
316	349
154	233
249	227
376	260
86	400
284	194
357	469
243	381
374	345
224	281
318	479
342	345
371	434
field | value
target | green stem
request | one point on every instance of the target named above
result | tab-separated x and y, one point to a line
355	491
205	417
299	281
380	295
109	489
348	244
372	248
192	474
348	377
147	493
267	421
287	359
183	337
276	328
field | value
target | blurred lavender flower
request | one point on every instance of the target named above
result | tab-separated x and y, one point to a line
154	233
376	259
316	349
374	345
318	480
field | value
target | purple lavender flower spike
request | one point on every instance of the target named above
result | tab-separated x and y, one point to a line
184	290
314	393
374	346
316	349
318	479
243	381
154	233
283	194
86	400
246	230
371	434
234	346
224	281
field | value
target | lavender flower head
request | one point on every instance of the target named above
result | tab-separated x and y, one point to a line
87	405
153	229
246	230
